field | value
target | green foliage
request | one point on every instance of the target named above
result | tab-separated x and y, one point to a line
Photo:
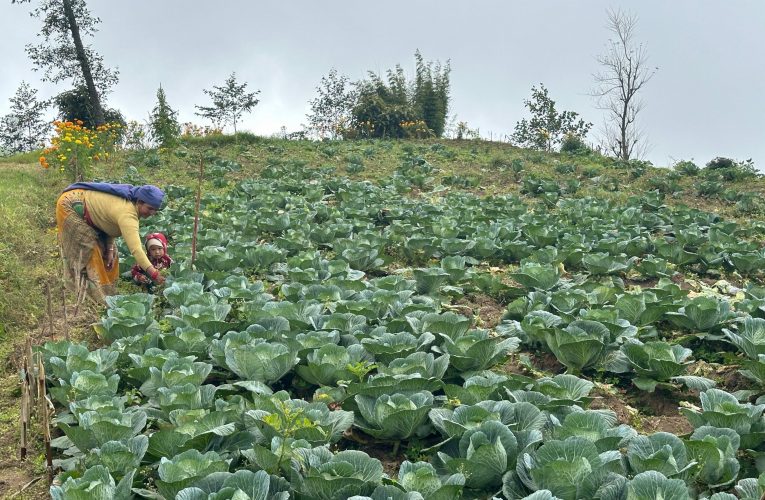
383	109
686	168
547	128
731	170
330	114
75	105
229	102
574	144
393	417
24	127
431	93
163	121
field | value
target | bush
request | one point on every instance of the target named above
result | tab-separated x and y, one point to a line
709	189
591	171
687	168
498	163
663	184
565	168
573	144
731	170
75	148
721	163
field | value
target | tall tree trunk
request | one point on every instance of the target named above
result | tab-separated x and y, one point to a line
95	104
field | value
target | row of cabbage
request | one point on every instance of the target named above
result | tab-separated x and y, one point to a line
212	401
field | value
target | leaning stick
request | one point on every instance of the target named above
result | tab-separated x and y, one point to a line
63	307
196	210
44	418
24	419
50	309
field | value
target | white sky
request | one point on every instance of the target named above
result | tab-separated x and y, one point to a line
706	99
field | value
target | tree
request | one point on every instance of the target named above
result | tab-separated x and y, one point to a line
547	128
431	93
229	102
24	128
392	108
382	108
75	104
331	108
163	122
624	73
62	55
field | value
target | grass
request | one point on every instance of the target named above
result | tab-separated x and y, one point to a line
29	258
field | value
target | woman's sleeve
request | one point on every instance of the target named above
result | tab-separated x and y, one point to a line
129	228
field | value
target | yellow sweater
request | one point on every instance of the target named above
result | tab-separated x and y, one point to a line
117	216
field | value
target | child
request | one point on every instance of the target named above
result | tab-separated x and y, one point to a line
156	250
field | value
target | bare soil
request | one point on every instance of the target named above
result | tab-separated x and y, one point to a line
677	425
646	412
547	362
485	307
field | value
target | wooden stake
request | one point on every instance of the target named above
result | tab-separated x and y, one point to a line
196	210
44	416
63	307
29	370
24	419
50	309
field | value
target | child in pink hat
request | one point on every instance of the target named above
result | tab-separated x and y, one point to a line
156	250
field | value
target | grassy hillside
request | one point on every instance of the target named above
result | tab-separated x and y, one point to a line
29	259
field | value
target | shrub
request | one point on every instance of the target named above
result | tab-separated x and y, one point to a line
663	184
591	171
731	170
498	163
75	147
565	168
687	168
573	144
709	189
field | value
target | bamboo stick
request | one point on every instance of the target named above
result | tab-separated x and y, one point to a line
196	210
50	309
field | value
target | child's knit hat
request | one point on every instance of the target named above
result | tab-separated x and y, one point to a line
154	239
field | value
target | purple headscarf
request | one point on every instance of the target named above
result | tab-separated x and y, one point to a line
151	195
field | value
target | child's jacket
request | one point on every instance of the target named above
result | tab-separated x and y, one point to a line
158	263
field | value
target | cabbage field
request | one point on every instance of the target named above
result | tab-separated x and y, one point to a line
326	345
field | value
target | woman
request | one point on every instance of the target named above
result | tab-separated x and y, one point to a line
89	216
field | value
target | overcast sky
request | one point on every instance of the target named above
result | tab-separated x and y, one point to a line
707	98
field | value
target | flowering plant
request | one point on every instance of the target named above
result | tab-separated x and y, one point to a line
74	148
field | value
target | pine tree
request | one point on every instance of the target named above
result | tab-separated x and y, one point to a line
24	128
163	122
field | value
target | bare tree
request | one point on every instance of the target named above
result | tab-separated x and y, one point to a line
624	72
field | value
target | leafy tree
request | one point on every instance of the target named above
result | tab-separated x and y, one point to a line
229	102
24	128
547	128
76	104
163	121
624	73
331	108
62	54
383	106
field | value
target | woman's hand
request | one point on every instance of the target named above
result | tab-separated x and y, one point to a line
111	253
155	275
